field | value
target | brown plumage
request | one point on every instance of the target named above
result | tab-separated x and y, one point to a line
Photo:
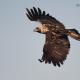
57	44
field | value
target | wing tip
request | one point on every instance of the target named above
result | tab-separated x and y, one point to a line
36	14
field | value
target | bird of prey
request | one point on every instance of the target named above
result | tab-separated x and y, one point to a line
57	44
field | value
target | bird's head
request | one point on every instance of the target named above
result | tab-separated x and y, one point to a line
42	29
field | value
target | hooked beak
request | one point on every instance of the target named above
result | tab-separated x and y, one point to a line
42	30
36	30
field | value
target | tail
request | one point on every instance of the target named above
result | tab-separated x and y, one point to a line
73	33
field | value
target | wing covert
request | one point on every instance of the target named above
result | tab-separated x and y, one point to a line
55	51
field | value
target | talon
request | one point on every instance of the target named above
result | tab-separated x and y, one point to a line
40	60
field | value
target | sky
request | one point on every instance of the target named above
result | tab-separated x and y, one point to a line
20	47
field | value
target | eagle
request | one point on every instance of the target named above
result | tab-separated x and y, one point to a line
57	44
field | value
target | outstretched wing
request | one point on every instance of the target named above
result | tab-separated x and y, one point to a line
41	16
55	51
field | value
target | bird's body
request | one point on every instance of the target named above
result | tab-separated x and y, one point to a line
57	44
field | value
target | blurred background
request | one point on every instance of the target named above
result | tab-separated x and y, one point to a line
20	47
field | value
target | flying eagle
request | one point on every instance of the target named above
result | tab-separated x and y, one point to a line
57	44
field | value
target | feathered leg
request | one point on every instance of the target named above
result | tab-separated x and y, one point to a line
73	33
